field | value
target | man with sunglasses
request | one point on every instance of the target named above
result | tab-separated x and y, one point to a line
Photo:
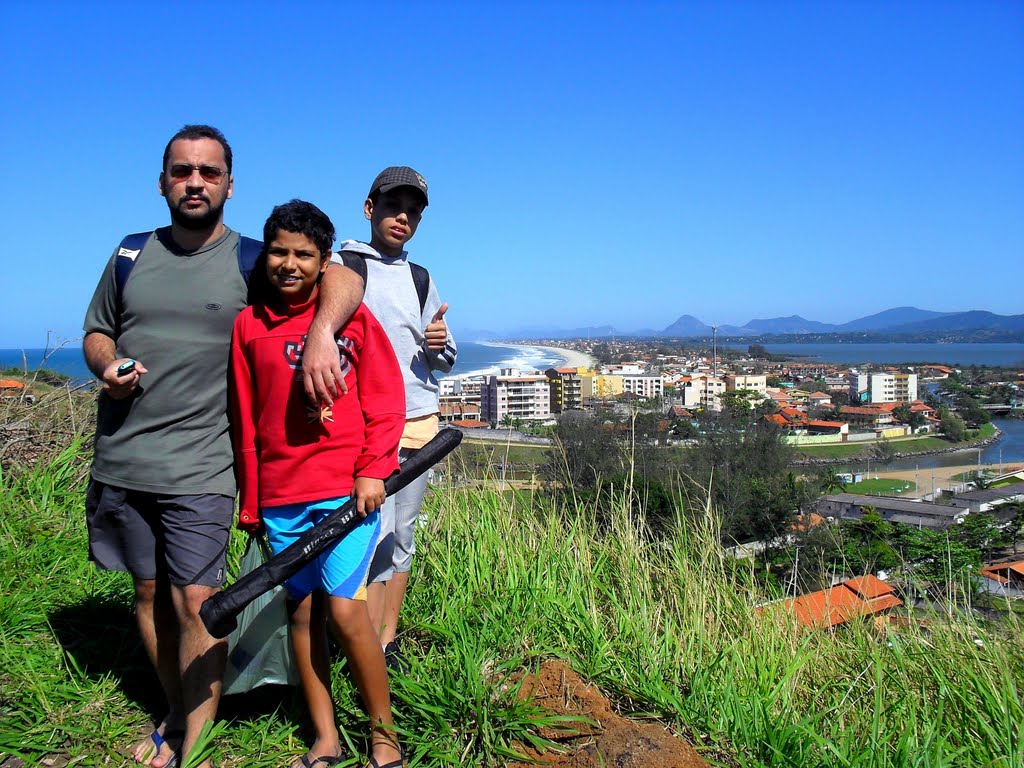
160	503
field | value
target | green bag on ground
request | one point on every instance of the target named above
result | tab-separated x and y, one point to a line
259	650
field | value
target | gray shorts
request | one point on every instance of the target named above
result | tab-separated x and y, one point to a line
183	537
398	517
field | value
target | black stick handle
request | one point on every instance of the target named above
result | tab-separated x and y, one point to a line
220	611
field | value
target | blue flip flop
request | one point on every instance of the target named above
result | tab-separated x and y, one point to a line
159	741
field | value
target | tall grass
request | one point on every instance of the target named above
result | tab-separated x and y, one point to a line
666	627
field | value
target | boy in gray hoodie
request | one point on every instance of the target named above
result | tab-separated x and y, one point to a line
403	297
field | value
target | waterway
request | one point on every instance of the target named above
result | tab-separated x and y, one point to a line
1007	450
1006	355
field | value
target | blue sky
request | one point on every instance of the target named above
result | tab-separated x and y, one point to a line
589	163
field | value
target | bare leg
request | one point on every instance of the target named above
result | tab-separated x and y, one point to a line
376	597
308	630
158	626
350	621
394	596
201	659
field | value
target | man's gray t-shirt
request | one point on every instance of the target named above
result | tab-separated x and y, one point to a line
176	314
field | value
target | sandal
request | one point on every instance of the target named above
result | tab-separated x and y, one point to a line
399	763
159	740
327	760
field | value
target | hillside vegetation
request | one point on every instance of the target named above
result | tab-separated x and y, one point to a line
668	626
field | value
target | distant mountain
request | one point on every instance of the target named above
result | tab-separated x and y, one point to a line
979	324
791	324
687	325
890	318
964	321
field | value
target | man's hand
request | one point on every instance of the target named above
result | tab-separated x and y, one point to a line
369	493
120	387
437	330
321	366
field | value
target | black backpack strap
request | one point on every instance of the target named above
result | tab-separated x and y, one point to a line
127	253
129	250
248	252
355	262
421	278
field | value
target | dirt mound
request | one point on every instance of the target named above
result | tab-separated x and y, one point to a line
612	740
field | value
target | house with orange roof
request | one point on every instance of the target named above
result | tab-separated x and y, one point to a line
845	602
1004	579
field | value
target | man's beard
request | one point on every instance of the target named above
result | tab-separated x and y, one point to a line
195	221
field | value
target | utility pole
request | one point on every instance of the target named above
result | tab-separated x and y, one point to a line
714	348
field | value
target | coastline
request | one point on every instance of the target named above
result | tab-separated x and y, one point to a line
572	358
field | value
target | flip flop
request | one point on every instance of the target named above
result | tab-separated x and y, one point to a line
159	741
327	760
399	763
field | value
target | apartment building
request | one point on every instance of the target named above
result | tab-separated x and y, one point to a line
754	383
643	386
459	397
702	392
566	385
515	395
883	387
605	386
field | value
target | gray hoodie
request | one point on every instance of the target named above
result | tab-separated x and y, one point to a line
391	296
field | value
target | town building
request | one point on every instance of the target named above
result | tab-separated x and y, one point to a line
702	392
567	390
515	395
883	387
920	514
758	384
643	386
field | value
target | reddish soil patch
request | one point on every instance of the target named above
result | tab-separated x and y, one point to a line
611	740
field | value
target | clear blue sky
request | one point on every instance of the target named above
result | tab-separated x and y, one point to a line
589	163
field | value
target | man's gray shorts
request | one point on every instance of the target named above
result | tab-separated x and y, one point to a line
398	517
183	537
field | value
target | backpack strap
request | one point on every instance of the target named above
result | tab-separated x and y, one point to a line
421	278
248	252
355	262
128	251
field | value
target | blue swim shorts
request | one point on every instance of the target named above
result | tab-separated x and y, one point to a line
341	569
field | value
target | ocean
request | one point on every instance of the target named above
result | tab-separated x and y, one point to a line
474	358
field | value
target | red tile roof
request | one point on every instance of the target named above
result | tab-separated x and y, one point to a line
860	596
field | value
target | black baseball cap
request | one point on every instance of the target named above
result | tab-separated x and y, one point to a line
399	176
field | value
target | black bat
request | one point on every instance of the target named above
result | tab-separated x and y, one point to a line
220	611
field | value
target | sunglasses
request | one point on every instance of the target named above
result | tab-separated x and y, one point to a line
210	173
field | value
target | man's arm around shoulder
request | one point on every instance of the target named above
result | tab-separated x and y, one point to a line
341	290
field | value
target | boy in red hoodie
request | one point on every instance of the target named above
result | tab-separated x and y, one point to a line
296	463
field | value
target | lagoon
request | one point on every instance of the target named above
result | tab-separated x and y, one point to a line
1005	355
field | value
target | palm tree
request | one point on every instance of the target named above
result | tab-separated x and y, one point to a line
831	482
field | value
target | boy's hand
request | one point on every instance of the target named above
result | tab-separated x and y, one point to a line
437	330
120	387
369	493
252	527
321	366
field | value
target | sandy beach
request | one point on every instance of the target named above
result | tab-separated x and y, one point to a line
573	359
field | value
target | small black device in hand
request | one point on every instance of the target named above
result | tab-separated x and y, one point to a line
125	368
